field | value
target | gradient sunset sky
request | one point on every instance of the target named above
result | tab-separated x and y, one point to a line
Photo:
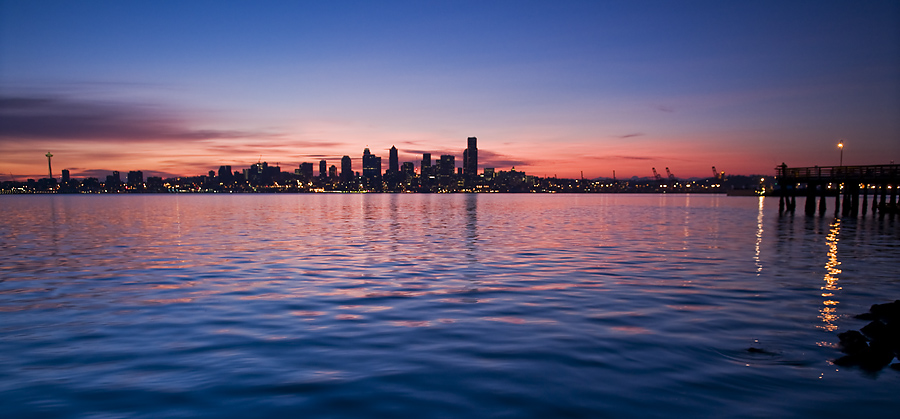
550	87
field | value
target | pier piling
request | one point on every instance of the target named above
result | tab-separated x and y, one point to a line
846	183
865	200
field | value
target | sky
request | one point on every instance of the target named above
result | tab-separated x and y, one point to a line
554	88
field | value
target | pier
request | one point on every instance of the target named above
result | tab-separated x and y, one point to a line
850	187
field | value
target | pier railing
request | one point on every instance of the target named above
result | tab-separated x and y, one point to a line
840	173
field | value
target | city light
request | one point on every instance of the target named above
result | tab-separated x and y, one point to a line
443	176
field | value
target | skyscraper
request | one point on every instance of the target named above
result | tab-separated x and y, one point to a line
470	158
306	170
113	182
393	161
447	165
135	178
225	175
425	167
323	169
346	169
371	165
466	161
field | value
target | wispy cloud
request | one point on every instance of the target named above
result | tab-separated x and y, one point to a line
637	134
63	118
631	158
284	148
638	158
486	158
435	153
664	108
103	173
623	157
491	159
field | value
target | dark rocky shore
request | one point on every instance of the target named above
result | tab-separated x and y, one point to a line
876	344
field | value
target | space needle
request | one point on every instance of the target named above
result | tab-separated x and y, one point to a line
49	167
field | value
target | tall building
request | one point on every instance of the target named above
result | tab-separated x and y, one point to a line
225	175
65	176
393	161
371	165
50	166
346	169
332	172
113	182
470	158
466	160
135	178
262	174
425	167
447	165
114	178
323	169
306	170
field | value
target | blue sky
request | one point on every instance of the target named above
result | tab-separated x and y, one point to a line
554	88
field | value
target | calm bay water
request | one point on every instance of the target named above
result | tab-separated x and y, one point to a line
435	306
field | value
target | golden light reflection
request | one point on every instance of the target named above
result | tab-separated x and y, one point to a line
828	313
759	235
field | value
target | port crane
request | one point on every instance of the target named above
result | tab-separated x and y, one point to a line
671	176
656	175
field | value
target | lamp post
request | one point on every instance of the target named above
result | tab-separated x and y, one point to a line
841	146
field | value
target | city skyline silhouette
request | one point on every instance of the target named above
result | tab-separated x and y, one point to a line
552	89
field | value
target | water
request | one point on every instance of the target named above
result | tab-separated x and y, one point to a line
435	306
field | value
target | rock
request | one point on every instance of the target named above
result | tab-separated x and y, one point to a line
874	358
877	357
853	342
846	361
866	316
876	330
889	312
876	344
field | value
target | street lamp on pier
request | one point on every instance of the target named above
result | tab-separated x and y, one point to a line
841	146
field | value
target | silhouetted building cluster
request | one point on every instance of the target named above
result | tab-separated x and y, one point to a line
437	176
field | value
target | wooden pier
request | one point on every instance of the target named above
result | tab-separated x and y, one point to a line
849	185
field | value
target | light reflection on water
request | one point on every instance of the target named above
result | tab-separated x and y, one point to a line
759	235
829	311
433	306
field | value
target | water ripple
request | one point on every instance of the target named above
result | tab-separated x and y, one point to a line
433	306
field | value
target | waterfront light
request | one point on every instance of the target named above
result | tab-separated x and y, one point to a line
841	146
